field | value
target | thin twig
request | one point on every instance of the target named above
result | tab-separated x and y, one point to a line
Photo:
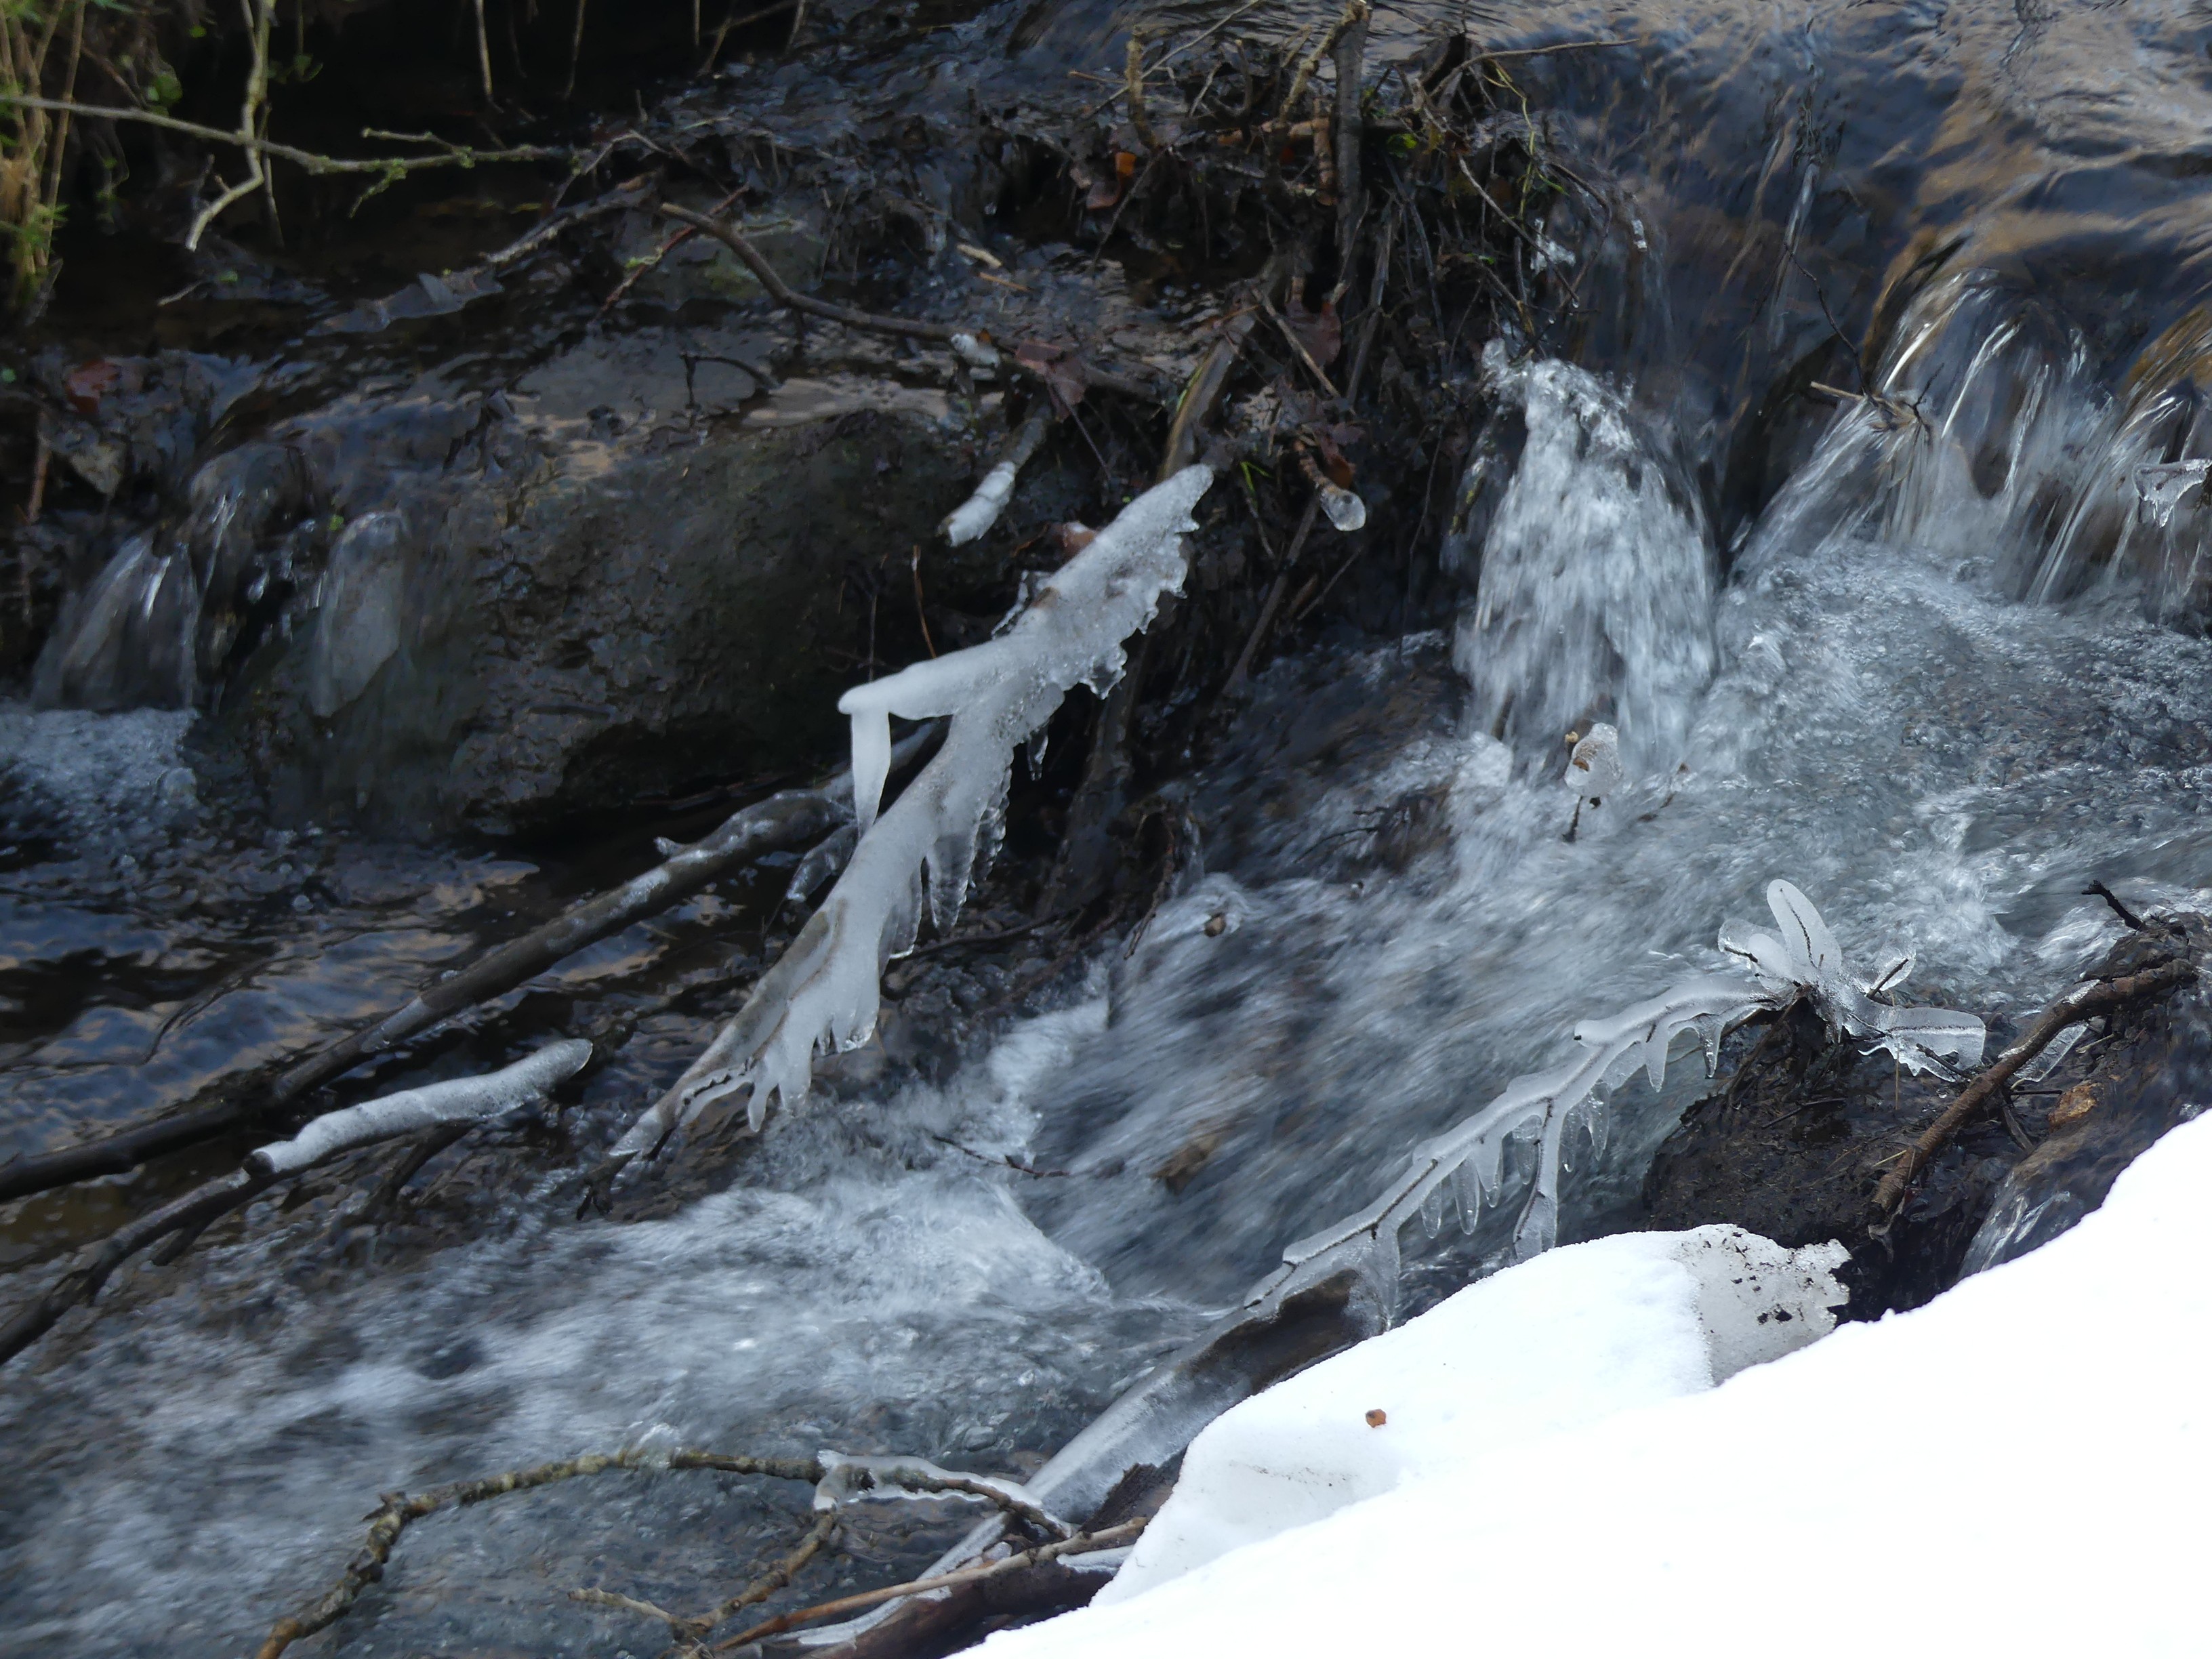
398	1511
1081	1543
306	159
2085	1001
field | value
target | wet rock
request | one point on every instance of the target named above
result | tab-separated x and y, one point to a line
630	572
1797	1135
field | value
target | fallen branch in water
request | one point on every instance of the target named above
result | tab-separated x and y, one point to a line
2084	1001
790	818
691	1633
465	1100
81	1283
1105	1538
837	1481
469	1099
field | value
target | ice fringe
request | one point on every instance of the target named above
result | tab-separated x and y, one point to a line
1465	1165
823	992
411	1109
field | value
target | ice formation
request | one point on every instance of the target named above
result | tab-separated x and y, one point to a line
1541	1350
981	510
1721	1521
1463	1167
823	992
520	1085
1805	954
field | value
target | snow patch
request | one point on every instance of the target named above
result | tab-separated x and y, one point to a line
1548	1347
2042	1426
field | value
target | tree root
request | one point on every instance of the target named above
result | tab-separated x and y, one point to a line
2083	1002
836	1480
1080	1544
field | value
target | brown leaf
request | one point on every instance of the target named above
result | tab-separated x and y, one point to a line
1059	369
88	383
1318	331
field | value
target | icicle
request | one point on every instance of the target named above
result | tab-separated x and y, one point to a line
924	849
1468	1190
1432	1211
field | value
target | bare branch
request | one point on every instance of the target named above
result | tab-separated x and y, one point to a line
1080	1544
2082	1002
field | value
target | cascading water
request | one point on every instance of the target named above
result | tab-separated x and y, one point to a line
1931	681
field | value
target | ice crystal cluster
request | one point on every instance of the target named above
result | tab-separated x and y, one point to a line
822	994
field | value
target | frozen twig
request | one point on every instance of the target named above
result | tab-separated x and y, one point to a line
2083	1002
975	515
846	1478
469	1099
823	992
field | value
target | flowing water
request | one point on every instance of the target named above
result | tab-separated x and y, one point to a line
1931	655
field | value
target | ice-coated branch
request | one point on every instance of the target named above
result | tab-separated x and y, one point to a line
824	992
846	1477
468	1099
1805	955
1465	1165
975	515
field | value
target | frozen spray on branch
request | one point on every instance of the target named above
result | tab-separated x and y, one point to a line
823	992
1464	1167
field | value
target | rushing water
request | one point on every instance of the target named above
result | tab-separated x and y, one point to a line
1935	676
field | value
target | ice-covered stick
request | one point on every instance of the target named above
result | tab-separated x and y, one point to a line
823	992
463	1099
184	1218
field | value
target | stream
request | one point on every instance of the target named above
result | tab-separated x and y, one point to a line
1934	655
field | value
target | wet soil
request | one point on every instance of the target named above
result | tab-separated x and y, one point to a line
1800	1128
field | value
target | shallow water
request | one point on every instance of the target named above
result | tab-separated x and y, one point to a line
1899	672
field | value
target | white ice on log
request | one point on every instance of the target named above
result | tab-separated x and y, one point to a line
1541	1349
520	1085
2040	1428
822	992
1805	954
975	515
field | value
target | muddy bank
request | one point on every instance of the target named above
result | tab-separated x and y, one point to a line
1798	1133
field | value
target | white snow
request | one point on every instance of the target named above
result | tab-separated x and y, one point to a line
1564	1341
2017	1468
